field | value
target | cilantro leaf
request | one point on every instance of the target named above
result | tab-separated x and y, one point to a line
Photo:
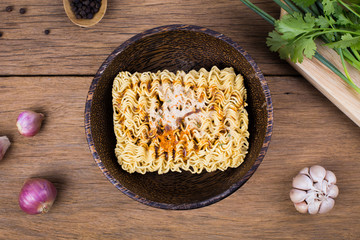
295	51
304	3
331	7
277	44
324	22
343	20
347	40
328	6
275	41
294	25
305	46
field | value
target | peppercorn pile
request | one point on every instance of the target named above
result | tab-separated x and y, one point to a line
85	9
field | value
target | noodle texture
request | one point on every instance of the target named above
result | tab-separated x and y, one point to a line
167	121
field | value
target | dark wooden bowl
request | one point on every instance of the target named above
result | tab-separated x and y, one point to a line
177	47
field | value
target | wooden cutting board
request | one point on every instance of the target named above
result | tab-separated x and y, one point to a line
331	85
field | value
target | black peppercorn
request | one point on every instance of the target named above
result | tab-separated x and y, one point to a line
85	8
47	31
1	34
22	10
9	8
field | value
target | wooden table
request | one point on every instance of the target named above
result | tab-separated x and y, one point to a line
52	74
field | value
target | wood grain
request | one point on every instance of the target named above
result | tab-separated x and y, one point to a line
330	84
69	49
308	130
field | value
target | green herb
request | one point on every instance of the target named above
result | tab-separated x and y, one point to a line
335	22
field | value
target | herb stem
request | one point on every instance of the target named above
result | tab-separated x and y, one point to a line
348	8
291	5
352	60
259	11
335	70
344	65
329	30
306	10
284	6
349	57
356	53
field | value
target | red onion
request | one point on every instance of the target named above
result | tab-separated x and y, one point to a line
29	123
4	145
37	196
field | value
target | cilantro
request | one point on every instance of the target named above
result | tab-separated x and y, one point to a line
343	20
329	6
347	40
293	42
335	22
325	22
294	25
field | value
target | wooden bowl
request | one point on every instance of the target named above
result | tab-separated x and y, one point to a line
177	47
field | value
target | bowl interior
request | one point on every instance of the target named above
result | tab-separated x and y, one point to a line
176	50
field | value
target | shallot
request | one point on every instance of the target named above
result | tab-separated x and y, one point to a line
37	196
314	190
4	145
29	123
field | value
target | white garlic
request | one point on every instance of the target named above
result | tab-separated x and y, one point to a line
302	182
333	191
330	177
314	207
314	190
326	205
311	196
301	207
304	171
297	195
4	145
319	185
317	173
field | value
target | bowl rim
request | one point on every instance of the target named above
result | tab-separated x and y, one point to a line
235	186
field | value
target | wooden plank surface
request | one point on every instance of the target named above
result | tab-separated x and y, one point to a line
52	74
308	130
69	49
331	85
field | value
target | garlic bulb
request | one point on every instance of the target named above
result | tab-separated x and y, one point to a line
314	190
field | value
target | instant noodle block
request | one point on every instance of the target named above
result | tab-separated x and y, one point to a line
193	121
